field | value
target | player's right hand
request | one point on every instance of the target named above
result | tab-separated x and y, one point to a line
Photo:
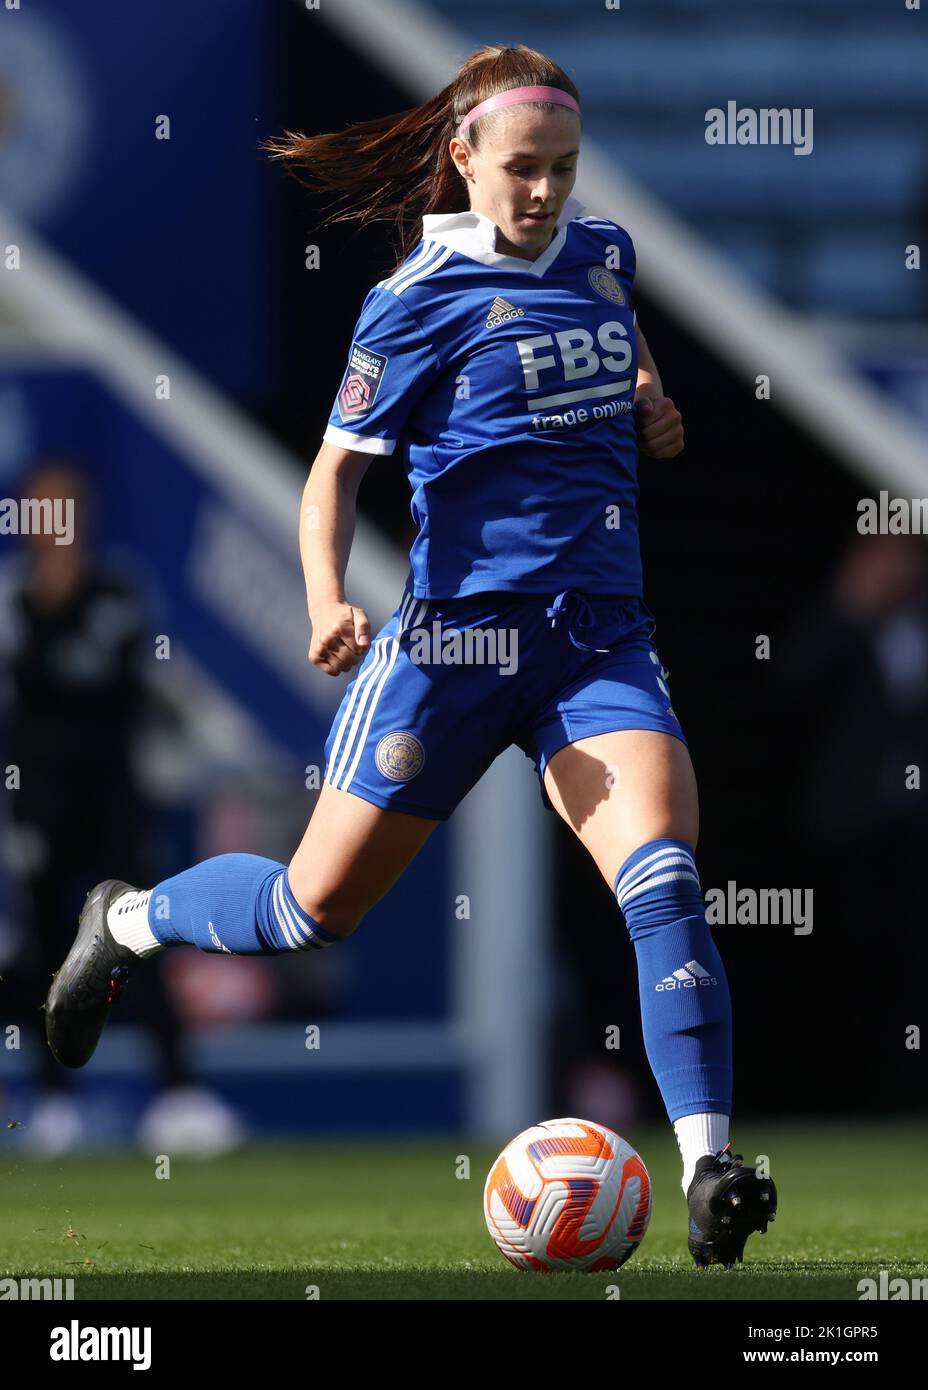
341	637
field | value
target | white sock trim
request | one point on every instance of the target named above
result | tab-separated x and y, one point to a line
697	1135
127	919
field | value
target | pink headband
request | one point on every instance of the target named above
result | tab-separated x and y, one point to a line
517	95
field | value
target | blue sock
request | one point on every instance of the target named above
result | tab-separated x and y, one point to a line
685	1003
238	903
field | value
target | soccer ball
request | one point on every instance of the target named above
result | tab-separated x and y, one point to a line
568	1194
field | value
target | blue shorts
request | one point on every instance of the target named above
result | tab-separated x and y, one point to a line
449	684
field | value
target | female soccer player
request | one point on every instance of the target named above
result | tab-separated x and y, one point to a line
505	353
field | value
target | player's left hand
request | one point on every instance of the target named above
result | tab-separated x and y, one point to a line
660	427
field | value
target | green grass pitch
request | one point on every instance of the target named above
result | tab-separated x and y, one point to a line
390	1220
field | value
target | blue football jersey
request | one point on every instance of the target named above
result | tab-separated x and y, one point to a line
509	385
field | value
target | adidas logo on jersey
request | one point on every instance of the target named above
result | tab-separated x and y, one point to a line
687	977
501	311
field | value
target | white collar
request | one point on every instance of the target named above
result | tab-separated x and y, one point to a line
474	235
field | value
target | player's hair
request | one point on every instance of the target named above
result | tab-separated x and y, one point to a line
397	168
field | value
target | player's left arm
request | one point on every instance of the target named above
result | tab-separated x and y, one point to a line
660	424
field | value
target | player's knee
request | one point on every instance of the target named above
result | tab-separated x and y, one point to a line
332	911
658	883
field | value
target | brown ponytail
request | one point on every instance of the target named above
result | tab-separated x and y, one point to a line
397	168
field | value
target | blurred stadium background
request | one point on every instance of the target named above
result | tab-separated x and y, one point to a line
162	338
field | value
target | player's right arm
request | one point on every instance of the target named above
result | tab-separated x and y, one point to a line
341	632
391	363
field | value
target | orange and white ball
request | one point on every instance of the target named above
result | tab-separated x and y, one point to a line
568	1194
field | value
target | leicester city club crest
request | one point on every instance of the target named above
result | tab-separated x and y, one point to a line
400	756
605	283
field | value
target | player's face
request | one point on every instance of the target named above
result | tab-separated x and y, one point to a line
527	164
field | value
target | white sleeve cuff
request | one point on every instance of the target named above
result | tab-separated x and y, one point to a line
363	443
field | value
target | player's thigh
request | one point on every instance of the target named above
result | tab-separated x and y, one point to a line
351	854
619	790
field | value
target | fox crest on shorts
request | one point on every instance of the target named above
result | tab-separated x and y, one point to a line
568	1194
400	756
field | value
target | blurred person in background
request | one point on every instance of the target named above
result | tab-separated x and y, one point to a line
75	644
853	686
